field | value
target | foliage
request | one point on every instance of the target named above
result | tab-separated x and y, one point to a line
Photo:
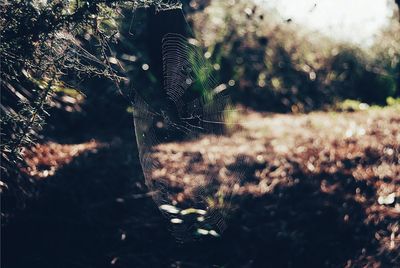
349	105
47	49
279	66
393	101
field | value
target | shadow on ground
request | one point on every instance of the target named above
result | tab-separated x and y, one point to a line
94	213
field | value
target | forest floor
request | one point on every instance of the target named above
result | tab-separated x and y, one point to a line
323	191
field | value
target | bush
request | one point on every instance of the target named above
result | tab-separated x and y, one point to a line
45	46
280	67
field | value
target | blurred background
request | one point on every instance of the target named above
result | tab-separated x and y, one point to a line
322	76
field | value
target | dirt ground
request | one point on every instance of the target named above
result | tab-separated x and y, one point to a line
321	190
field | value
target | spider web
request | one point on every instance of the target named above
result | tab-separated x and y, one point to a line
186	73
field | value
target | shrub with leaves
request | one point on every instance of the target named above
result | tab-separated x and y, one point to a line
277	65
42	52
